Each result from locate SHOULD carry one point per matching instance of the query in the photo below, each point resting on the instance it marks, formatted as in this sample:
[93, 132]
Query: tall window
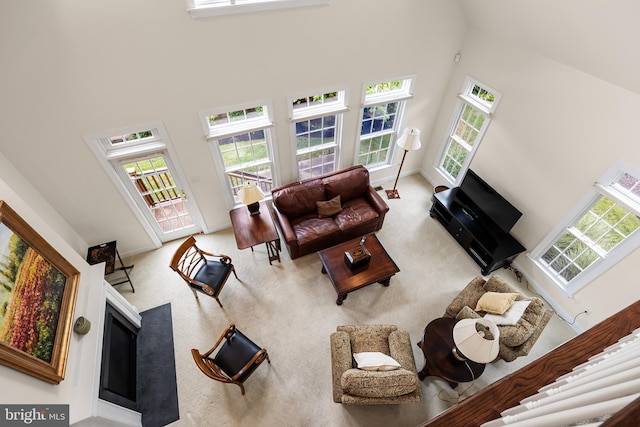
[317, 126]
[469, 123]
[384, 104]
[603, 231]
[241, 141]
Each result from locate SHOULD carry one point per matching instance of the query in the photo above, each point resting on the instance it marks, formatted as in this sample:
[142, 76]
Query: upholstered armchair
[515, 340]
[364, 387]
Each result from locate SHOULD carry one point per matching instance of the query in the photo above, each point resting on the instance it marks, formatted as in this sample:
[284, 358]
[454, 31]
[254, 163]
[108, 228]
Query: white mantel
[102, 410]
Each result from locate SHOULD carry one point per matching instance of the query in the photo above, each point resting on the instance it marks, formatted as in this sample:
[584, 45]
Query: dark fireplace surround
[119, 360]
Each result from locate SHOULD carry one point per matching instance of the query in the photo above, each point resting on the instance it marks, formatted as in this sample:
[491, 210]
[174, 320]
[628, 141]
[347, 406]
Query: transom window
[241, 142]
[317, 128]
[205, 8]
[604, 230]
[470, 120]
[128, 142]
[384, 104]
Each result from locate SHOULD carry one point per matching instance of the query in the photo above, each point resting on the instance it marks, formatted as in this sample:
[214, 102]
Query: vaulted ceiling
[598, 37]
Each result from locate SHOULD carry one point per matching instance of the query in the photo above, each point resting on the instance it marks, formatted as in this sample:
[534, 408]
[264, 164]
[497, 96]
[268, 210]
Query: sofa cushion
[495, 302]
[348, 185]
[299, 200]
[329, 207]
[525, 327]
[309, 227]
[375, 361]
[511, 316]
[379, 384]
[355, 212]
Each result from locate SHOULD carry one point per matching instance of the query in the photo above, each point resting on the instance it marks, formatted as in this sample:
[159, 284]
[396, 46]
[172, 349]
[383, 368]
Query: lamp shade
[250, 193]
[410, 139]
[477, 339]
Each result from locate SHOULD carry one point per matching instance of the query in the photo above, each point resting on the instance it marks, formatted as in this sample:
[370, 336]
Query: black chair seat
[214, 274]
[235, 361]
[235, 353]
[189, 259]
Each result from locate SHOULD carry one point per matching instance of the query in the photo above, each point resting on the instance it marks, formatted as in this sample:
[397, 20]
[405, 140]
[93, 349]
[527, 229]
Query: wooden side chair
[235, 361]
[202, 274]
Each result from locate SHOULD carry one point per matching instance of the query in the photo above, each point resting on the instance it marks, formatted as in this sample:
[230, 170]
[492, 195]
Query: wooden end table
[380, 269]
[251, 230]
[437, 345]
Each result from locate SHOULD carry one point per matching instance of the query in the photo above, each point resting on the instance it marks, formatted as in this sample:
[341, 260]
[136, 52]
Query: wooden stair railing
[486, 405]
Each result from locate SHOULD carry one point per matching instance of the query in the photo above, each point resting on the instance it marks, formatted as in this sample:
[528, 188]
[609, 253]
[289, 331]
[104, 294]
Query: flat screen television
[488, 202]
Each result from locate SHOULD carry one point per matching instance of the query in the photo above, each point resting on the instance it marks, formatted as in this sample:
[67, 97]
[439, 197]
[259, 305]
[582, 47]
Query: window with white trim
[469, 122]
[601, 231]
[242, 144]
[383, 106]
[206, 8]
[317, 127]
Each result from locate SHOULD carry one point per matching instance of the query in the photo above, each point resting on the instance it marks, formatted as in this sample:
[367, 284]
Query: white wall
[78, 387]
[556, 131]
[72, 68]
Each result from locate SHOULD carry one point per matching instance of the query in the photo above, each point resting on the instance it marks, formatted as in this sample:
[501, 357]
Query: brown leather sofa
[362, 210]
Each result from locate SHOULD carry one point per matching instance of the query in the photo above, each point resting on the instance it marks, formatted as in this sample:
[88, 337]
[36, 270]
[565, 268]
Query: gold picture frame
[38, 289]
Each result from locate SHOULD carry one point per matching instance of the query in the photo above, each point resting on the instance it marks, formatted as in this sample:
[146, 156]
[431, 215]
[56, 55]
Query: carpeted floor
[157, 386]
[290, 309]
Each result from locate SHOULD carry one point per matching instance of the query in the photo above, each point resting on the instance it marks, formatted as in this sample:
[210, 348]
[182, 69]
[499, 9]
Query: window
[470, 120]
[383, 106]
[205, 8]
[602, 232]
[140, 162]
[317, 127]
[242, 145]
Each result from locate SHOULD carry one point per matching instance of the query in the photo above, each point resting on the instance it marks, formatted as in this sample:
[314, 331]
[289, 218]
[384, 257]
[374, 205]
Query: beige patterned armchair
[516, 340]
[356, 386]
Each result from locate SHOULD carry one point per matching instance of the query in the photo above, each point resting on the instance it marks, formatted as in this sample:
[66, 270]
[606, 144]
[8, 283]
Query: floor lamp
[409, 141]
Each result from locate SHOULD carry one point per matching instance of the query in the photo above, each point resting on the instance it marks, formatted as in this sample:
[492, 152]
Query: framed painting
[38, 290]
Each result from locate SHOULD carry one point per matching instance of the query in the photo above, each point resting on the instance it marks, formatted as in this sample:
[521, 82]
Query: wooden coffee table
[252, 230]
[380, 269]
[437, 346]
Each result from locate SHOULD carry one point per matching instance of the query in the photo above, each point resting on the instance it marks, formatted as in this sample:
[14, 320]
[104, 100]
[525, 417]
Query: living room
[569, 89]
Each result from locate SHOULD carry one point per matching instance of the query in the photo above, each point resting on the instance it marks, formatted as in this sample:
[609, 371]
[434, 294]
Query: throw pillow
[511, 316]
[375, 361]
[495, 302]
[329, 208]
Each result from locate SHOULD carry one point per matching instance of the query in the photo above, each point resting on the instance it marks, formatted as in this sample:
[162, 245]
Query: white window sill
[250, 7]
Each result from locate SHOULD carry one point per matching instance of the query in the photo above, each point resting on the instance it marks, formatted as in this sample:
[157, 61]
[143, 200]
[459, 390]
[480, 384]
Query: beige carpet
[290, 309]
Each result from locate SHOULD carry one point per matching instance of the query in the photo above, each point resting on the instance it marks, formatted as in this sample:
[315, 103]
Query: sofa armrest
[376, 201]
[341, 361]
[469, 296]
[400, 349]
[285, 226]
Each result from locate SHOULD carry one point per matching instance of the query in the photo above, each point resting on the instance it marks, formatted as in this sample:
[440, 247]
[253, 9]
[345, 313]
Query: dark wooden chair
[202, 274]
[235, 361]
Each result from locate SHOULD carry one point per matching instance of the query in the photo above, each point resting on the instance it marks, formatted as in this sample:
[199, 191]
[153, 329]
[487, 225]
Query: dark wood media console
[490, 246]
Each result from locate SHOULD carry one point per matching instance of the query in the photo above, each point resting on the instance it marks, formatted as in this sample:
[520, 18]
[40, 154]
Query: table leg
[385, 282]
[341, 298]
[324, 270]
[273, 250]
